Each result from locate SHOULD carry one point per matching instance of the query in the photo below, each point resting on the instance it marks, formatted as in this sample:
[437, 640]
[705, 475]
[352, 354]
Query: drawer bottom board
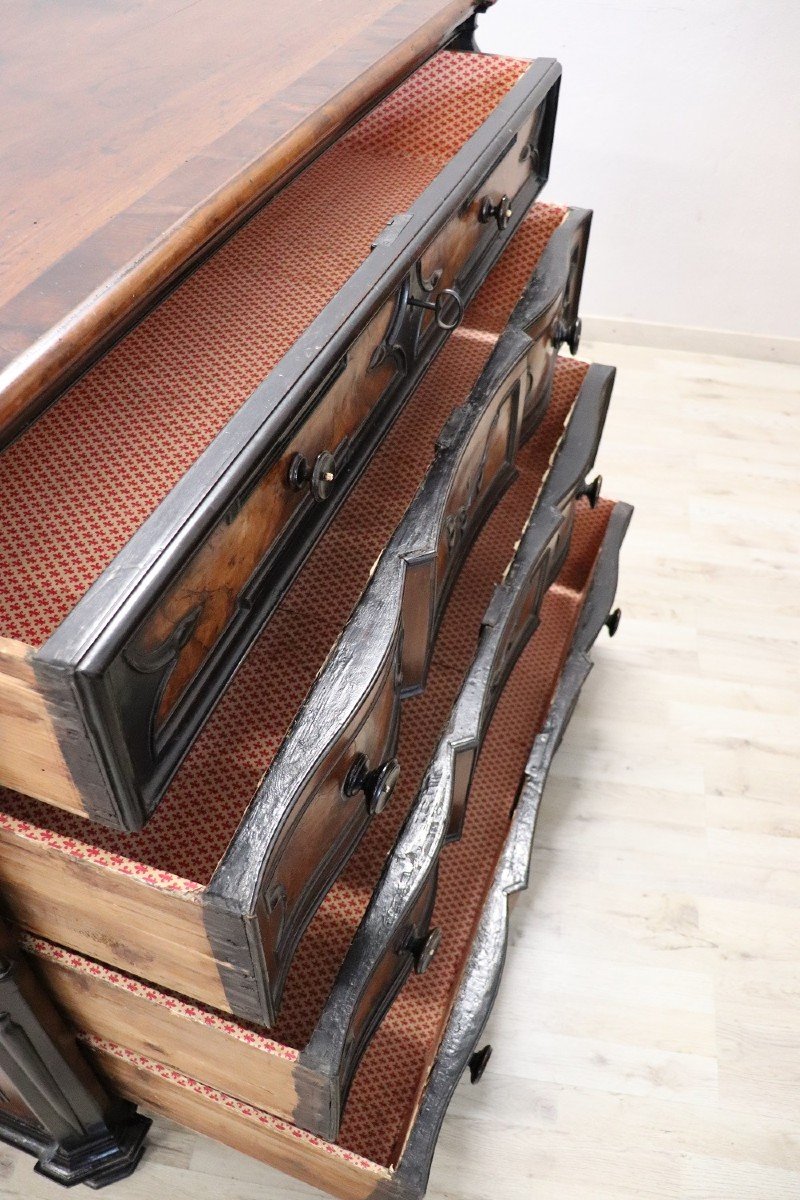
[389, 1087]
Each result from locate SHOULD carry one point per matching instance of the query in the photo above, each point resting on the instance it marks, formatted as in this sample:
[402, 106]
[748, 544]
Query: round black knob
[612, 621]
[377, 785]
[478, 1063]
[568, 332]
[320, 477]
[591, 491]
[323, 474]
[447, 308]
[423, 950]
[501, 211]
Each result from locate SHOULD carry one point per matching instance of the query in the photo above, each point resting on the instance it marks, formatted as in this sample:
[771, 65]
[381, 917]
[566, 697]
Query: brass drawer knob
[591, 491]
[320, 477]
[501, 211]
[478, 1063]
[447, 308]
[377, 785]
[423, 950]
[612, 621]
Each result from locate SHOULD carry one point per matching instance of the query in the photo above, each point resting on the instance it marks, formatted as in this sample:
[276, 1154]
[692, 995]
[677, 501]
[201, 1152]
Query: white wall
[679, 124]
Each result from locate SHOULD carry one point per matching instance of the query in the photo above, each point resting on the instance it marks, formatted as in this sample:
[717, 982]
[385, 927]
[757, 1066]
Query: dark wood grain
[138, 134]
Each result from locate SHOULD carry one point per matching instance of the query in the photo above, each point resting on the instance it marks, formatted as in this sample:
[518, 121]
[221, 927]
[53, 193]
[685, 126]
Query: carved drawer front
[429, 1036]
[303, 1070]
[208, 451]
[304, 751]
[548, 310]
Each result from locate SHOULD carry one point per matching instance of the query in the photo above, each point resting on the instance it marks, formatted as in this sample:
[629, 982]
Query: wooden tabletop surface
[135, 133]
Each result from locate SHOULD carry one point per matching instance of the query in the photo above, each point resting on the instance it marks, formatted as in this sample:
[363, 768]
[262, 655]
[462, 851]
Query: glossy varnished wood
[127, 157]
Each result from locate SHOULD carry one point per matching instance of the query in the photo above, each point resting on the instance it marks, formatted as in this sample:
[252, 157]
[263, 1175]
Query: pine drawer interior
[136, 900]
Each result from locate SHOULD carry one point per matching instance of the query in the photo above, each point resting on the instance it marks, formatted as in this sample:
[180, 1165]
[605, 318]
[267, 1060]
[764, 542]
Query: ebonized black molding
[409, 873]
[77, 665]
[481, 976]
[51, 1104]
[560, 274]
[384, 944]
[550, 303]
[389, 639]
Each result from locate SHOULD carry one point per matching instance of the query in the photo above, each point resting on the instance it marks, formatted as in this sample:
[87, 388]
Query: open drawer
[303, 1071]
[154, 515]
[428, 1038]
[195, 902]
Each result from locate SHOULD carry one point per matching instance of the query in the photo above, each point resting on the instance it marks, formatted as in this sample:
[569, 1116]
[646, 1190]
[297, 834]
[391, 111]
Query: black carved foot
[112, 1153]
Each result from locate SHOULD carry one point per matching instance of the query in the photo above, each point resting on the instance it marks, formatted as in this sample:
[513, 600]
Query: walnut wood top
[134, 135]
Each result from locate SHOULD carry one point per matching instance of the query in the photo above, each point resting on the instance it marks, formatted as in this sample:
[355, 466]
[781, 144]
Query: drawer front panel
[485, 463]
[163, 671]
[483, 219]
[330, 816]
[566, 481]
[346, 1026]
[548, 311]
[190, 618]
[474, 465]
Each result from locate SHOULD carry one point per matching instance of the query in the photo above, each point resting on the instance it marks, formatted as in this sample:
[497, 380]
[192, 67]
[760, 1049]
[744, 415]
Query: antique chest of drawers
[301, 569]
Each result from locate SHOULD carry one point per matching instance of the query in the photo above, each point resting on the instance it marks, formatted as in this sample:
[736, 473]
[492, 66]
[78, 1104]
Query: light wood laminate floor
[647, 1036]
